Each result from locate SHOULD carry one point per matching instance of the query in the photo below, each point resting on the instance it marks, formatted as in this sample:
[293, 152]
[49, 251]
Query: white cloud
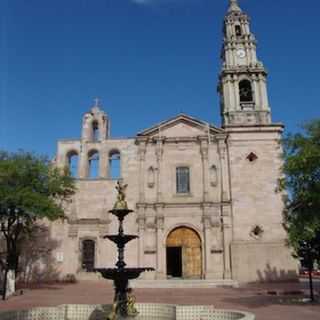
[143, 2]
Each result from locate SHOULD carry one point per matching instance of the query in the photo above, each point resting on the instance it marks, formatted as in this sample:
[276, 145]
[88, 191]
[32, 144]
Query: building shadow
[272, 274]
[37, 264]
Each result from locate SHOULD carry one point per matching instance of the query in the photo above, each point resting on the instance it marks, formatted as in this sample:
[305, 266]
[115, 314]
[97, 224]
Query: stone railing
[147, 311]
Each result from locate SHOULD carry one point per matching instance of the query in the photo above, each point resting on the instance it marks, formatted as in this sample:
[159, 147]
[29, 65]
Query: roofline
[180, 115]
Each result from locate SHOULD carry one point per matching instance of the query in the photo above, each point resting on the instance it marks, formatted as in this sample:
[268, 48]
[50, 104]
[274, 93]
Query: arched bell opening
[95, 131]
[73, 162]
[184, 254]
[93, 164]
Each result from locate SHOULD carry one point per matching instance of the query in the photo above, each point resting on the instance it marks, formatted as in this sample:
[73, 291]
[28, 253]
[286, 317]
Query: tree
[31, 188]
[302, 180]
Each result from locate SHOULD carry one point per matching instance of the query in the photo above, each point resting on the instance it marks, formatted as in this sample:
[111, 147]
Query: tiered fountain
[123, 304]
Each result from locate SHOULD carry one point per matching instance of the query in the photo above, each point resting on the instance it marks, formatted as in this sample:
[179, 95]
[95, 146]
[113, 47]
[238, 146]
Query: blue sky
[147, 60]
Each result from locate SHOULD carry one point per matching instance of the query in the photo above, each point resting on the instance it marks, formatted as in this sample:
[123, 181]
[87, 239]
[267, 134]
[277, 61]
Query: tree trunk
[311, 284]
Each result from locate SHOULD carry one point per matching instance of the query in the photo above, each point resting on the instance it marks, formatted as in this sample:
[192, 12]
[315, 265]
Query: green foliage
[31, 185]
[302, 180]
[31, 188]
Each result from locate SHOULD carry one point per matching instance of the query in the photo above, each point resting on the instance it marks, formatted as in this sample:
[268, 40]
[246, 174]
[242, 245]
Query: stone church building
[206, 200]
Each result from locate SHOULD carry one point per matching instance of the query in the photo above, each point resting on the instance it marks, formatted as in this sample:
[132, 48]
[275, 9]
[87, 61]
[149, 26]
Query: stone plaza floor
[266, 301]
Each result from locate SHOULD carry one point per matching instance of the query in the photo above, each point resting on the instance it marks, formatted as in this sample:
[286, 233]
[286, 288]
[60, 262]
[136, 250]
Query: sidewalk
[252, 298]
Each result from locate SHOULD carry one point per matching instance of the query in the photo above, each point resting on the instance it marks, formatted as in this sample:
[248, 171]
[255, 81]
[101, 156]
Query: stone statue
[132, 311]
[121, 197]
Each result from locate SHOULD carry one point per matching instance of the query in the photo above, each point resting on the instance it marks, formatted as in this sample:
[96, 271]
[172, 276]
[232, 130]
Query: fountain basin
[147, 311]
[120, 239]
[124, 274]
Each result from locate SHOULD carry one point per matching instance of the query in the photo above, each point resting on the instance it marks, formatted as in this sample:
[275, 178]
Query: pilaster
[142, 158]
[159, 154]
[209, 223]
[161, 250]
[227, 238]
[83, 161]
[141, 221]
[204, 148]
[225, 186]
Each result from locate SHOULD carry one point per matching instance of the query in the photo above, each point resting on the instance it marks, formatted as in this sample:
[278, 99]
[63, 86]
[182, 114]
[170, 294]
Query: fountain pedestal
[123, 302]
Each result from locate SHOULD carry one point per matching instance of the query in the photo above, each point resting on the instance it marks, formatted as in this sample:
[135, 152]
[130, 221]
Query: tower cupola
[242, 81]
[95, 124]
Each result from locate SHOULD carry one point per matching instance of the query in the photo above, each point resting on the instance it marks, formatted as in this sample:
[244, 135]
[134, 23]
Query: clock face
[241, 53]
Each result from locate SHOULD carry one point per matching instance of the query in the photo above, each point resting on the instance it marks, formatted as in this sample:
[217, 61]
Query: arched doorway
[88, 255]
[184, 254]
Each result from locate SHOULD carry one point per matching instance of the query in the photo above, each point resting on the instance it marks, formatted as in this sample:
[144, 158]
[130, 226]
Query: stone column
[229, 95]
[208, 267]
[103, 162]
[236, 92]
[72, 263]
[141, 221]
[161, 250]
[225, 185]
[159, 152]
[142, 158]
[227, 238]
[211, 221]
[83, 161]
[264, 94]
[256, 91]
[205, 167]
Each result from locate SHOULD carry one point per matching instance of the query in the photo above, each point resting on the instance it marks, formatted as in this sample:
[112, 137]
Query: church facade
[206, 199]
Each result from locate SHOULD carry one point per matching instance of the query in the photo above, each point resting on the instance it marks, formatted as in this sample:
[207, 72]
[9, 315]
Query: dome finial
[234, 6]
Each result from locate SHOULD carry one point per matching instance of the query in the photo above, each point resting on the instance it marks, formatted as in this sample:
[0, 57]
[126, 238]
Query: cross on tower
[96, 102]
[234, 6]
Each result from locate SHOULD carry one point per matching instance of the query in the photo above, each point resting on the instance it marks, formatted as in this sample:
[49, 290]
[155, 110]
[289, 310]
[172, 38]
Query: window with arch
[72, 162]
[93, 161]
[114, 164]
[95, 131]
[245, 91]
[182, 180]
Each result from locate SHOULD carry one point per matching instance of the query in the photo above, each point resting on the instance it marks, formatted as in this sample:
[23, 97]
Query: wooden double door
[184, 258]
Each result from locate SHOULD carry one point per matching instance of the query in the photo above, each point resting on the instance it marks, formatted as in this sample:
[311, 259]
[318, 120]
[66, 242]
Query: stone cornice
[259, 128]
[183, 204]
[231, 70]
[88, 222]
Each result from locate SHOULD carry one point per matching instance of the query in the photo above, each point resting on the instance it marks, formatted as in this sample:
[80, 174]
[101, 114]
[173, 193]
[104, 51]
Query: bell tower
[242, 81]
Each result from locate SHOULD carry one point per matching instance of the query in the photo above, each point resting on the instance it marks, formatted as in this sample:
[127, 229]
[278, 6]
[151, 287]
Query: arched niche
[213, 176]
[151, 177]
